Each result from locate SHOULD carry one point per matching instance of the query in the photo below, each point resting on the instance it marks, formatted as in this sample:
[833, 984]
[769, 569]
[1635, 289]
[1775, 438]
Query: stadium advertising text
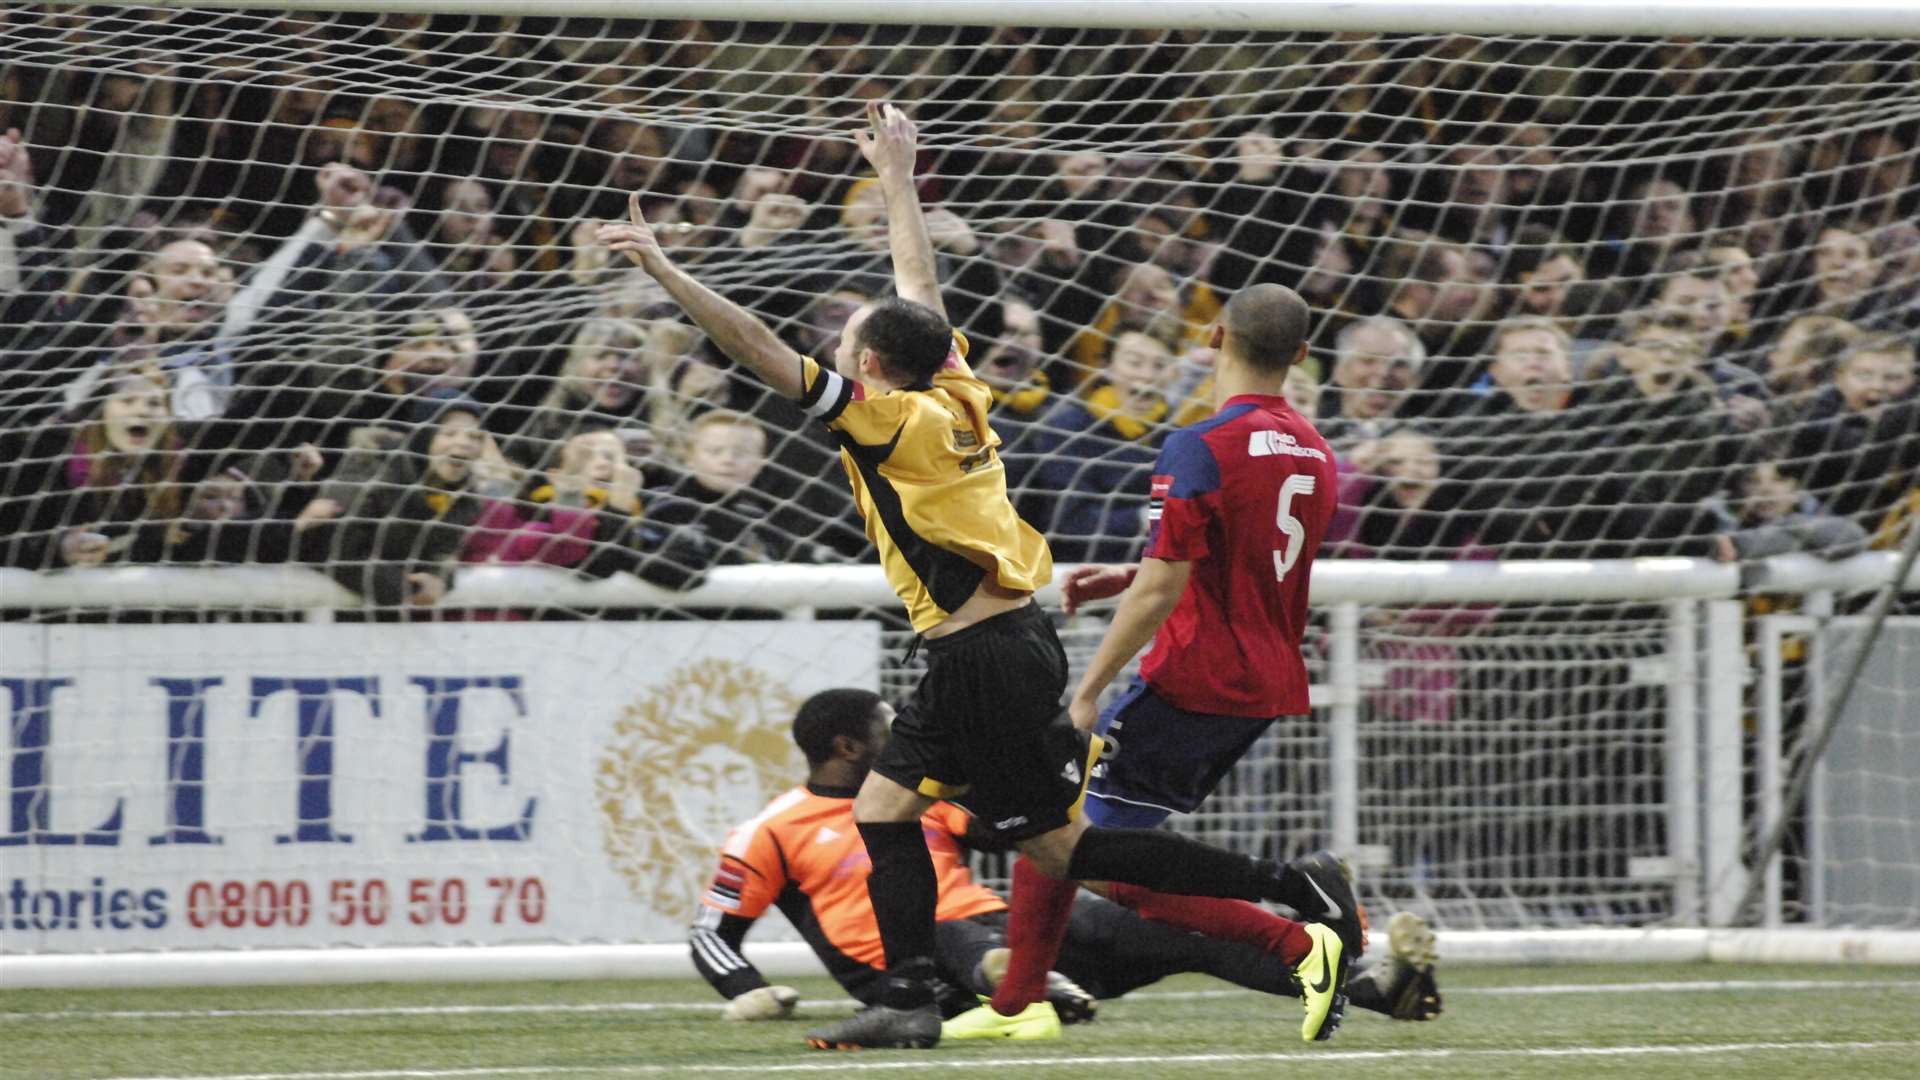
[356, 784]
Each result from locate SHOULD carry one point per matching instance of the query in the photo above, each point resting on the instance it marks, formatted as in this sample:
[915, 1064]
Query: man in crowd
[1376, 362]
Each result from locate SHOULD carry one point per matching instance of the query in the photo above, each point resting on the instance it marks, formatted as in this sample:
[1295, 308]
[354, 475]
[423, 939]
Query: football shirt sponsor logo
[1270, 443]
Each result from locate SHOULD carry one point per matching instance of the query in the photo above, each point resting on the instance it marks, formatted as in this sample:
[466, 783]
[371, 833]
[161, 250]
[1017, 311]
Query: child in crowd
[1396, 503]
[1859, 439]
[586, 513]
[724, 457]
[1802, 358]
[242, 510]
[1772, 514]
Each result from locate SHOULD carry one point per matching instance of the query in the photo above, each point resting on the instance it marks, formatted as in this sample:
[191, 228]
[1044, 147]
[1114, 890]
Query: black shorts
[985, 728]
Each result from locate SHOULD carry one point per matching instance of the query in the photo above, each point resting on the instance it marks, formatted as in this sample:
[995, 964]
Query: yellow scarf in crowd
[1103, 402]
[1028, 398]
[596, 497]
[1901, 516]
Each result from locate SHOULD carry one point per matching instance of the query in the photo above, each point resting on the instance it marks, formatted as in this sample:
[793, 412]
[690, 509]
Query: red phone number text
[366, 902]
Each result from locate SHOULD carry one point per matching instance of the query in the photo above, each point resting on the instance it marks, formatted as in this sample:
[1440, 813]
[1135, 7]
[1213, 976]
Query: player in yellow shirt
[984, 728]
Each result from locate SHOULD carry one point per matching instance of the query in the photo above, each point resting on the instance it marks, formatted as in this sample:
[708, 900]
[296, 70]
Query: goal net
[385, 562]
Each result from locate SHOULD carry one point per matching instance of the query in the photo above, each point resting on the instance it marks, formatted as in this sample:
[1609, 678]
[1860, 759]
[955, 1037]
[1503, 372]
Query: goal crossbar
[1744, 18]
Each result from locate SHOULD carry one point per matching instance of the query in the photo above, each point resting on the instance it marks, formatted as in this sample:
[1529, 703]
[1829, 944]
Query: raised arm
[744, 338]
[890, 149]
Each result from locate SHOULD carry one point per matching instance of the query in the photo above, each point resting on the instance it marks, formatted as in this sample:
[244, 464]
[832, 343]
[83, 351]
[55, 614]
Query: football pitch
[1717, 1022]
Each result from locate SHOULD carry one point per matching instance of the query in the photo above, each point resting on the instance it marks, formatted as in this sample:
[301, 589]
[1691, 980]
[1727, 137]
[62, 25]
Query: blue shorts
[1160, 759]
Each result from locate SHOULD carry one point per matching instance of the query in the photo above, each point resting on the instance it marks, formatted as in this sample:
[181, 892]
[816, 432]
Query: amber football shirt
[926, 473]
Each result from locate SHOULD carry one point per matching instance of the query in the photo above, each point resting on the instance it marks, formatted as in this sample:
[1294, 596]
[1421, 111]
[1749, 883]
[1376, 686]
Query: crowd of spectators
[252, 313]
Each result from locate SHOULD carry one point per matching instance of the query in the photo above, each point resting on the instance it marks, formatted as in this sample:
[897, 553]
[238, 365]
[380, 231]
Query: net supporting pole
[1720, 751]
[1803, 769]
[1747, 18]
[1769, 635]
[1683, 752]
[1343, 735]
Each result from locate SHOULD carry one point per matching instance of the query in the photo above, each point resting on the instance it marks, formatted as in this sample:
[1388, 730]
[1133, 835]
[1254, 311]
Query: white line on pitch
[1687, 987]
[403, 1010]
[1074, 1061]
[846, 1003]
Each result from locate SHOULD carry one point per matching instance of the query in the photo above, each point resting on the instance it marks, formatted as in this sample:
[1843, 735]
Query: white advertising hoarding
[276, 785]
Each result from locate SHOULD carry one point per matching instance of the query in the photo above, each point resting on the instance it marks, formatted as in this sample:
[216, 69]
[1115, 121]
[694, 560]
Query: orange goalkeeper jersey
[925, 469]
[803, 854]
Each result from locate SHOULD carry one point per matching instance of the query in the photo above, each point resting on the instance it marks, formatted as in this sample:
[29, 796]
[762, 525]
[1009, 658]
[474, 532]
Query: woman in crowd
[105, 489]
[391, 526]
[603, 383]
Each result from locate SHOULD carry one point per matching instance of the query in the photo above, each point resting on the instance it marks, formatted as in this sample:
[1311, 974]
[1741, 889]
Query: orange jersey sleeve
[752, 873]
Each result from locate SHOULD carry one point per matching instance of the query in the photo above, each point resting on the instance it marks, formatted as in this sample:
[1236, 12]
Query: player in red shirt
[1239, 504]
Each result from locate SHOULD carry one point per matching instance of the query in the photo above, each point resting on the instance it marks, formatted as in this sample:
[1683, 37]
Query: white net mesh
[1576, 297]
[1849, 856]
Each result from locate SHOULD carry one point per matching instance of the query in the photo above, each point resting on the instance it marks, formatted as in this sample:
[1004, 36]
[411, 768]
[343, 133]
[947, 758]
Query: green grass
[1764, 1028]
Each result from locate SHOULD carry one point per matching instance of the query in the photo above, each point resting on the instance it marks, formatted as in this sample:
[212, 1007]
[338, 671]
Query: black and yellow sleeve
[824, 393]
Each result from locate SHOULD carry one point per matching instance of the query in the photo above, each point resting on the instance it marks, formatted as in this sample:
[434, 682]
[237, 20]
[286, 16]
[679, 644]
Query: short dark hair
[831, 713]
[1269, 324]
[911, 340]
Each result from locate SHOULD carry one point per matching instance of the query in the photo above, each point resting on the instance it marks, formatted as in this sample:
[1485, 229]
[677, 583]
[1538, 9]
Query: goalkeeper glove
[765, 1003]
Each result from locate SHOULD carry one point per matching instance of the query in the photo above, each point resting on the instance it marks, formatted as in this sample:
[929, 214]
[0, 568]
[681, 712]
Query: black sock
[1168, 862]
[904, 892]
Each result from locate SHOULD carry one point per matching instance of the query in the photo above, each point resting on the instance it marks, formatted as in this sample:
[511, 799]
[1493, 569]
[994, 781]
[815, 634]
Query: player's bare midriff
[989, 599]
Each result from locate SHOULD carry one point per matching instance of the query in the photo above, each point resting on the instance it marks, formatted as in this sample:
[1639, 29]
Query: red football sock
[1230, 920]
[1036, 925]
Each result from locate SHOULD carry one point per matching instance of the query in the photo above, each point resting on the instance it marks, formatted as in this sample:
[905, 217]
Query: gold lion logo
[695, 756]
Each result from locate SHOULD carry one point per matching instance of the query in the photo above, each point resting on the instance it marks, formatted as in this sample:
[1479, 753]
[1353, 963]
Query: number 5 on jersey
[1294, 534]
